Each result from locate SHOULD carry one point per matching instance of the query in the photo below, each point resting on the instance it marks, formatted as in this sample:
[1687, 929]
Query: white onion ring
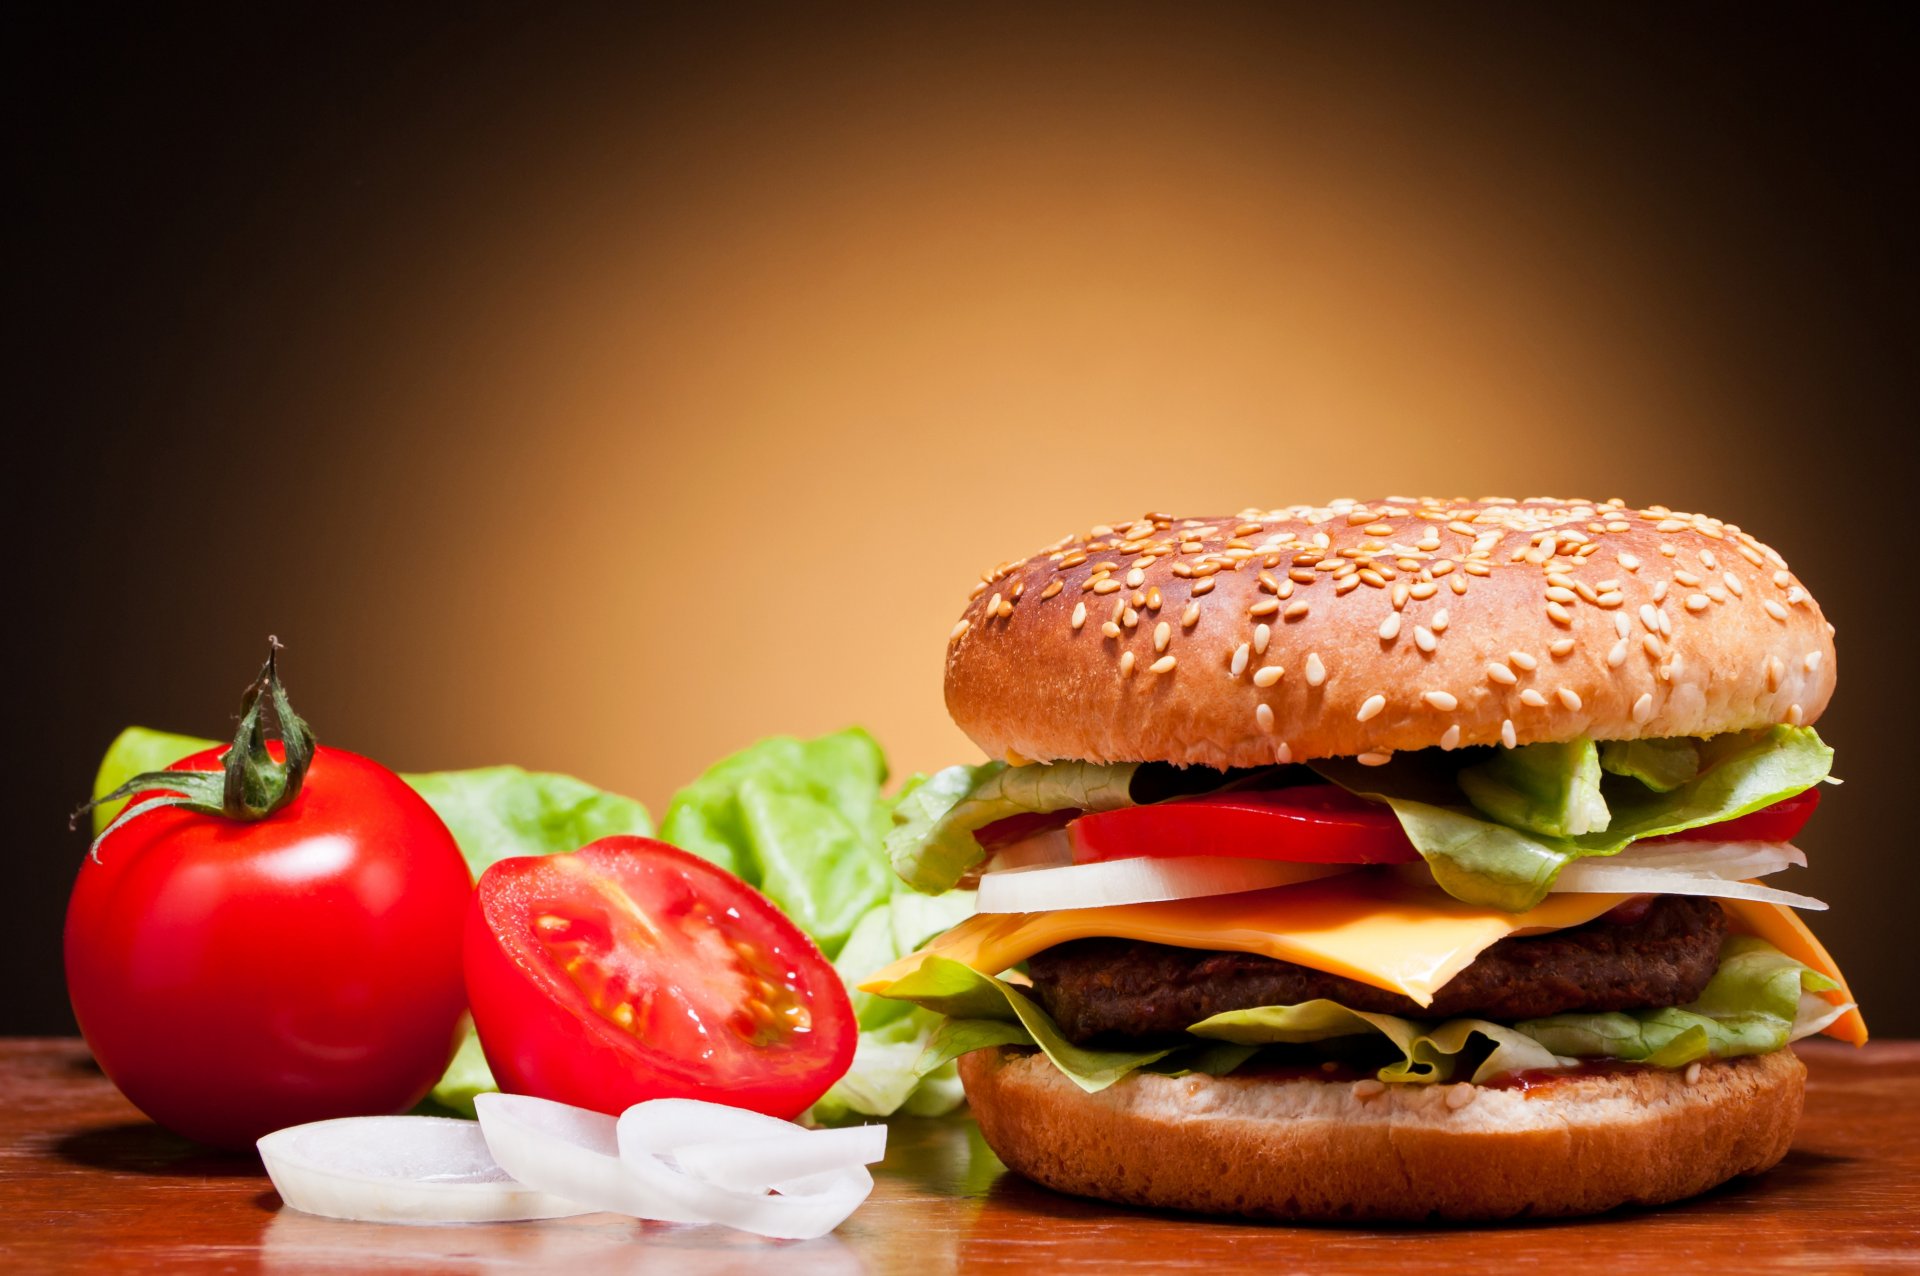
[1138, 880]
[1712, 859]
[399, 1169]
[796, 1156]
[568, 1152]
[1589, 877]
[806, 1207]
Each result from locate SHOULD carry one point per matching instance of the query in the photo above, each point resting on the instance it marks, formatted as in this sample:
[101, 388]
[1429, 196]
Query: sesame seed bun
[1369, 627]
[1331, 1151]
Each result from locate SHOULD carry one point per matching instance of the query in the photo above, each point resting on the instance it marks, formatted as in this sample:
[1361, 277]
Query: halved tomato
[1306, 824]
[631, 970]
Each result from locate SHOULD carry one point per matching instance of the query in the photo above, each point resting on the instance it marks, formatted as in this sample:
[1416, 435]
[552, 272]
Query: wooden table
[87, 1185]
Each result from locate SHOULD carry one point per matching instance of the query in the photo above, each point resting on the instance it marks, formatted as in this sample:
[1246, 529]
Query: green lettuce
[1661, 765]
[1760, 1000]
[1551, 789]
[801, 820]
[1484, 860]
[932, 844]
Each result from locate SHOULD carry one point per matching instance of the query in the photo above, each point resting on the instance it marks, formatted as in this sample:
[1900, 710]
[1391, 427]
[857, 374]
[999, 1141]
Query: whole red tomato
[631, 970]
[236, 976]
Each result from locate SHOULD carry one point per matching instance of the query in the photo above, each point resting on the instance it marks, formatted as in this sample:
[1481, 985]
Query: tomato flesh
[631, 970]
[235, 978]
[1307, 824]
[1325, 824]
[1780, 822]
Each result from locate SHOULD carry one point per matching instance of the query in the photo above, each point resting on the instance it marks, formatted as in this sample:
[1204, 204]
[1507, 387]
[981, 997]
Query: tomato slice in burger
[1307, 824]
[631, 970]
[1780, 822]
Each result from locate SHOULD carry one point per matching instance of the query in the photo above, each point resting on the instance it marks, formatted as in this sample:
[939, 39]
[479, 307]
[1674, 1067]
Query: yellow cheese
[1782, 927]
[1377, 928]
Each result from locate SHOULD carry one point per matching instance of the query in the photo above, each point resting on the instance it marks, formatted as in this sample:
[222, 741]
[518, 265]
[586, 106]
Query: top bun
[1365, 627]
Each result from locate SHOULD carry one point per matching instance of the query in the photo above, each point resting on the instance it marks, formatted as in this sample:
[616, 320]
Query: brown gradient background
[602, 393]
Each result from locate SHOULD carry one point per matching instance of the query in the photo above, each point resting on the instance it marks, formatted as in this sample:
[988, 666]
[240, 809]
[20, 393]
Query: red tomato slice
[1325, 824]
[1780, 822]
[1308, 824]
[631, 970]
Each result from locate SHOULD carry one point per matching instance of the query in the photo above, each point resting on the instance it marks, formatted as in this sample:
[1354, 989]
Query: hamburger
[1383, 860]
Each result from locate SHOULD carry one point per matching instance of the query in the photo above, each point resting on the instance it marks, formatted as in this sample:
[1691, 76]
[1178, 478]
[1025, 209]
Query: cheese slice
[1782, 927]
[1378, 928]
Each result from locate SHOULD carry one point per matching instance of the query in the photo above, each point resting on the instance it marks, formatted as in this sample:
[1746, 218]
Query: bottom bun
[1314, 1150]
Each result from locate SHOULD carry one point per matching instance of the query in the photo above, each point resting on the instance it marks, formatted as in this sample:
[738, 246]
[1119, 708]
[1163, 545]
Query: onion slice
[1588, 877]
[400, 1169]
[1711, 859]
[1140, 880]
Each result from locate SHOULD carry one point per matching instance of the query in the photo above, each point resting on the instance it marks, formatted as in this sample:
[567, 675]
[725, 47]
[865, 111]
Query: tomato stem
[251, 784]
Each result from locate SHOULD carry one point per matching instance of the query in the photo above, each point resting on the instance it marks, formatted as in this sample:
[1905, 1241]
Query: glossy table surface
[88, 1185]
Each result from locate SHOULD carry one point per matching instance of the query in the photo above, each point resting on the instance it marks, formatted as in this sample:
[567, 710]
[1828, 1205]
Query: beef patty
[1121, 988]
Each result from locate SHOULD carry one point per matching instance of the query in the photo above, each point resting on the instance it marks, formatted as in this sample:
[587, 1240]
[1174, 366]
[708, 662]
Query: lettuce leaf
[1428, 1051]
[1661, 765]
[1757, 1002]
[801, 820]
[1485, 861]
[1552, 789]
[932, 844]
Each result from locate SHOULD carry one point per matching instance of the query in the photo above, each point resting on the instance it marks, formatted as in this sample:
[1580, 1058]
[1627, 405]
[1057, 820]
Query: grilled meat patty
[1111, 989]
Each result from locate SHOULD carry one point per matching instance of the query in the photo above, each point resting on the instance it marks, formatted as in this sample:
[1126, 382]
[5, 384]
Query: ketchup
[1528, 1080]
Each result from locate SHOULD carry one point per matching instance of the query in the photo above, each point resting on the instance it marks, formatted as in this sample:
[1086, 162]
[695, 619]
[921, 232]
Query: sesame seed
[1445, 701]
[1501, 674]
[1368, 1088]
[1163, 665]
[1686, 578]
[1111, 629]
[1621, 625]
[1775, 610]
[1284, 753]
[1459, 1096]
[1794, 715]
[1569, 697]
[1812, 662]
[1263, 715]
[1079, 615]
[1439, 621]
[1508, 736]
[958, 629]
[1374, 758]
[1423, 638]
[1162, 635]
[1316, 672]
[1126, 663]
[1390, 627]
[1660, 590]
[1560, 648]
[1523, 660]
[1458, 584]
[1692, 1074]
[1650, 617]
[1643, 707]
[1450, 739]
[1558, 614]
[1533, 699]
[1265, 607]
[1267, 676]
[1238, 665]
[1370, 707]
[1153, 599]
[1400, 595]
[1109, 587]
[1559, 595]
[1734, 586]
[1204, 586]
[1345, 586]
[1698, 602]
[1295, 611]
[1617, 654]
[1782, 579]
[1052, 588]
[1262, 634]
[1191, 616]
[1776, 670]
[1134, 578]
[993, 605]
[1651, 643]
[1130, 618]
[1268, 584]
